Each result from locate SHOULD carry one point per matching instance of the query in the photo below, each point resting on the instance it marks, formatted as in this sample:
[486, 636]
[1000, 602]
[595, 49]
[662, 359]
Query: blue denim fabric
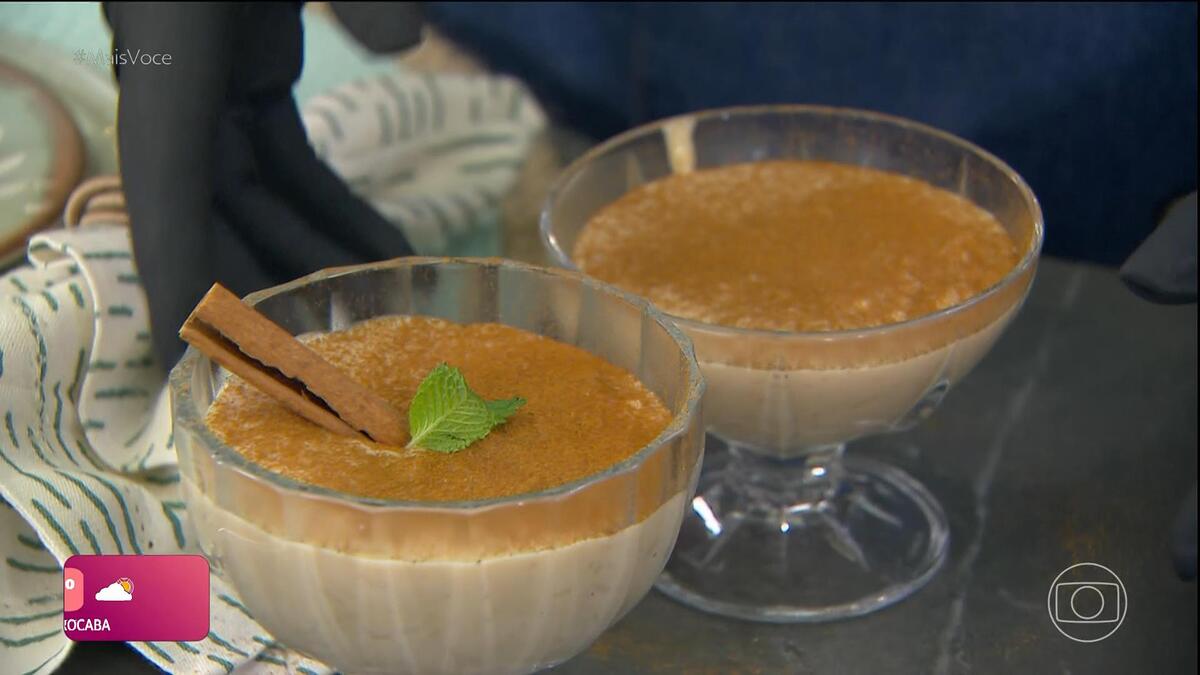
[1094, 104]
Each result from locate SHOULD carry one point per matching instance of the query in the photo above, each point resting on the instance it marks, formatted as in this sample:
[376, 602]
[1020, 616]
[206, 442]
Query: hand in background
[220, 181]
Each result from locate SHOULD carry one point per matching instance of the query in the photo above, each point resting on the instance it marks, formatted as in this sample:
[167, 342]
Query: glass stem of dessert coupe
[814, 537]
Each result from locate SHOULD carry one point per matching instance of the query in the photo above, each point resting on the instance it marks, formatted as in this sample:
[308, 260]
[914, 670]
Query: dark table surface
[1074, 440]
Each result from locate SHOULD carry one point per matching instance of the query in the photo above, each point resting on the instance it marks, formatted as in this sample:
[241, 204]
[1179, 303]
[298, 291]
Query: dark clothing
[1094, 104]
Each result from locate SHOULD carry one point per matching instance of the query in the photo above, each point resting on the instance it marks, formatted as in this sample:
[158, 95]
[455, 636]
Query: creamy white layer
[785, 411]
[508, 614]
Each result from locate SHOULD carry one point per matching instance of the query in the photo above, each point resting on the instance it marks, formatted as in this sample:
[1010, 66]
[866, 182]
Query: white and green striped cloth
[87, 463]
[434, 154]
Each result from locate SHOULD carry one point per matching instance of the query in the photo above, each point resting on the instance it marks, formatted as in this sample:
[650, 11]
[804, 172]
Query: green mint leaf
[503, 409]
[446, 416]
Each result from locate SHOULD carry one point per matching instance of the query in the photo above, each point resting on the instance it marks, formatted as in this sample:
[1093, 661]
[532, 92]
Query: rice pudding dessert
[581, 416]
[799, 255]
[427, 595]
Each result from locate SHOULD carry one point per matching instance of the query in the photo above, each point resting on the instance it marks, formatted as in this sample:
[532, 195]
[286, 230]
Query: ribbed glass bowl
[507, 585]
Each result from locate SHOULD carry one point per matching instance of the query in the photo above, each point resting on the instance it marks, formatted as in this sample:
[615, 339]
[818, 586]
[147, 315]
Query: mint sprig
[447, 416]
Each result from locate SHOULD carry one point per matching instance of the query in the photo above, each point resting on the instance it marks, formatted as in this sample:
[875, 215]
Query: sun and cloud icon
[120, 590]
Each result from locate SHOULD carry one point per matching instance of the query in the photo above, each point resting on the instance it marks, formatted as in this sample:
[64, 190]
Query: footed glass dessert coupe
[785, 527]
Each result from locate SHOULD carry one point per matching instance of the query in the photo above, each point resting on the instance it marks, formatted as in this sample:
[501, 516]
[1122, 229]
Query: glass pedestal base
[812, 539]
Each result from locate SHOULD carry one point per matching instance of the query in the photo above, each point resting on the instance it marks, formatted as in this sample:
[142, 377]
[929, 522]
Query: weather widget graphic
[168, 601]
[120, 590]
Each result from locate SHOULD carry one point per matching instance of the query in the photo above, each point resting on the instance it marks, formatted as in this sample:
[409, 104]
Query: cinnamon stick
[271, 359]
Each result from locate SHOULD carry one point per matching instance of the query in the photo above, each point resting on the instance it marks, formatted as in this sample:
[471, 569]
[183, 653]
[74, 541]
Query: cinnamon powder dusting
[796, 245]
[582, 415]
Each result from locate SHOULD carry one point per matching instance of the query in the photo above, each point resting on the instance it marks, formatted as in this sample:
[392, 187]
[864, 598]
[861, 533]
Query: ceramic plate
[41, 157]
[89, 97]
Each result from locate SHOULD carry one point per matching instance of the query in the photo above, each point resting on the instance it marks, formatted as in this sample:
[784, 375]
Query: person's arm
[166, 123]
[382, 27]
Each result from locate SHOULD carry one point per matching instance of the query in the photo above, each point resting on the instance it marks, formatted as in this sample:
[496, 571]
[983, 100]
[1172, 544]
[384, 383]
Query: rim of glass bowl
[187, 415]
[561, 257]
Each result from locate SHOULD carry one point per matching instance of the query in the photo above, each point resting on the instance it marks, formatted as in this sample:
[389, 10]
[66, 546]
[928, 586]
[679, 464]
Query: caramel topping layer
[582, 415]
[796, 245]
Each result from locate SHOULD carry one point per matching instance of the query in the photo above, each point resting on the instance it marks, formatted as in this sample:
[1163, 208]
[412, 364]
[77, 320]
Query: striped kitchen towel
[433, 153]
[87, 459]
[87, 463]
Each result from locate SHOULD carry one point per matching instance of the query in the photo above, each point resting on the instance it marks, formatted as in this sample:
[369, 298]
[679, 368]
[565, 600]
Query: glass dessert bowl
[783, 528]
[509, 584]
